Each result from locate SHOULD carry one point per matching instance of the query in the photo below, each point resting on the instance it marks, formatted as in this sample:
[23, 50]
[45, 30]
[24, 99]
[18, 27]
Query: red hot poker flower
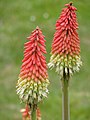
[34, 63]
[66, 40]
[33, 78]
[66, 44]
[25, 113]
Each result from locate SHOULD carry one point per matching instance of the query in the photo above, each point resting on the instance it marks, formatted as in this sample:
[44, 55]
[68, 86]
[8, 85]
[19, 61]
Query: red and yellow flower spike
[33, 78]
[65, 54]
[26, 113]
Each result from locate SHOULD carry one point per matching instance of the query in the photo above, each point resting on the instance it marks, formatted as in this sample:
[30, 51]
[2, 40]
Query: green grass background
[17, 19]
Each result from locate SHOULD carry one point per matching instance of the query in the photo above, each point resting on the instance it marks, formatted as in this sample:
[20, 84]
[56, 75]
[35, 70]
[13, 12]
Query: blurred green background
[17, 19]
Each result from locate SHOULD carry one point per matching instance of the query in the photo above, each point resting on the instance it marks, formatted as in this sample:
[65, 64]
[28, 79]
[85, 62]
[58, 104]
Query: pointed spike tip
[37, 28]
[71, 3]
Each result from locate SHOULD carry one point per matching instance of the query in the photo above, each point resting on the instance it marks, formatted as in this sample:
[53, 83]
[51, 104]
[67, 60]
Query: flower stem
[65, 101]
[33, 111]
[33, 115]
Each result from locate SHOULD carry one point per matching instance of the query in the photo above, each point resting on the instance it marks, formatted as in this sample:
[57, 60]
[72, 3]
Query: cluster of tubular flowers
[25, 113]
[65, 53]
[33, 78]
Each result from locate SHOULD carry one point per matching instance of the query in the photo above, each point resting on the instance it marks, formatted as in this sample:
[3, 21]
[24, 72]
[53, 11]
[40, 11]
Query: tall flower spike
[33, 78]
[65, 54]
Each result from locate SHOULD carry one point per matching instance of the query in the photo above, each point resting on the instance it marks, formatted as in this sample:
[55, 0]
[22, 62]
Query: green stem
[33, 115]
[65, 101]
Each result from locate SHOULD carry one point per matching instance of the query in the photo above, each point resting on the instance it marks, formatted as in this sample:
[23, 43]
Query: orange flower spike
[65, 53]
[25, 113]
[33, 78]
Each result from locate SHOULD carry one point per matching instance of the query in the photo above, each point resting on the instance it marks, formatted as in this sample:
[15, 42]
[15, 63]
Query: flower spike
[65, 53]
[26, 113]
[33, 78]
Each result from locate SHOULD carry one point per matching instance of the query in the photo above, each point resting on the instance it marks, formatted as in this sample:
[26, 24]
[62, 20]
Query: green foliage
[18, 19]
